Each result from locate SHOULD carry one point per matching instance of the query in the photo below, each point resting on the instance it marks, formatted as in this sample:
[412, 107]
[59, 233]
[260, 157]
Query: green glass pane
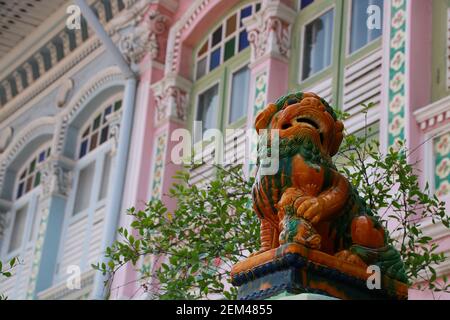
[97, 122]
[117, 105]
[37, 179]
[32, 165]
[229, 48]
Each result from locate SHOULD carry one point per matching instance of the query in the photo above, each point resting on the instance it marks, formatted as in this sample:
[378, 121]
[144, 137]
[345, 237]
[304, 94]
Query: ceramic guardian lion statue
[308, 201]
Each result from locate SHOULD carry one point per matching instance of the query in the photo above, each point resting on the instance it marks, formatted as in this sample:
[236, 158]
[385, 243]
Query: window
[84, 187]
[207, 109]
[239, 94]
[317, 44]
[97, 131]
[18, 229]
[360, 34]
[225, 41]
[30, 175]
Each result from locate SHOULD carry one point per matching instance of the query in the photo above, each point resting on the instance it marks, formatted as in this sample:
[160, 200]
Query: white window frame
[301, 45]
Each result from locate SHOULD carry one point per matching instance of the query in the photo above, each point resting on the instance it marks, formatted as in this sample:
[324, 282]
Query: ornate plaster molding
[64, 92]
[114, 129]
[269, 31]
[138, 39]
[171, 98]
[55, 179]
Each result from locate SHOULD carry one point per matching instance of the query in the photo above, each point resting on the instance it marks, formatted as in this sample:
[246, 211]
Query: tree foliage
[6, 272]
[211, 229]
[389, 184]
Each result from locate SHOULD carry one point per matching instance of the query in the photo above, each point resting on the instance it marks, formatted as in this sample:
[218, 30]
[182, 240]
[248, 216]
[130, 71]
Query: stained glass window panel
[104, 135]
[229, 49]
[305, 3]
[203, 49]
[243, 40]
[215, 59]
[94, 141]
[231, 25]
[217, 36]
[83, 148]
[246, 12]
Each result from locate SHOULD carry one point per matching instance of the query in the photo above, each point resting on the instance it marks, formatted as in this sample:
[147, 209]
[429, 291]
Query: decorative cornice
[71, 59]
[171, 98]
[432, 114]
[269, 31]
[49, 78]
[6, 136]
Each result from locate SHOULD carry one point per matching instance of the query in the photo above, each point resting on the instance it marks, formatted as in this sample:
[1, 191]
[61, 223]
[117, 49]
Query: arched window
[86, 205]
[30, 174]
[227, 40]
[221, 89]
[96, 132]
[222, 74]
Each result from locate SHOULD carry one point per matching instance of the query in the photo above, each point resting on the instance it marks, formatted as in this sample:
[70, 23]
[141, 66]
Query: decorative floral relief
[158, 166]
[260, 101]
[37, 253]
[442, 164]
[396, 125]
[398, 40]
[396, 103]
[260, 92]
[397, 61]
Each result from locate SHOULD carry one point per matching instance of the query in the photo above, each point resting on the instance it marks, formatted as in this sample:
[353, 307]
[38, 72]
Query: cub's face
[306, 117]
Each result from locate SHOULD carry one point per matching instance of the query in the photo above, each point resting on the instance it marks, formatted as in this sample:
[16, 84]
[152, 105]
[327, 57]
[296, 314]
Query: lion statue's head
[303, 116]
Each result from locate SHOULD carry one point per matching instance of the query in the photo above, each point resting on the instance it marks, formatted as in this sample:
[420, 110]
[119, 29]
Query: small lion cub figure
[308, 201]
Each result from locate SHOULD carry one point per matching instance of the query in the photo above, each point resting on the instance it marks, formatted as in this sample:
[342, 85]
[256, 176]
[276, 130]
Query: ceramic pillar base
[294, 269]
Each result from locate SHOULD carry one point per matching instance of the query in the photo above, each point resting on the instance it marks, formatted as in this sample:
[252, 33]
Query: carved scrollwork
[269, 30]
[140, 39]
[55, 179]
